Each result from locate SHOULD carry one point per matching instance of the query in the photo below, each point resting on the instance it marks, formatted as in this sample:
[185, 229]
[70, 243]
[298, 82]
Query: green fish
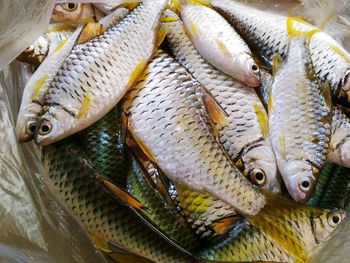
[75, 182]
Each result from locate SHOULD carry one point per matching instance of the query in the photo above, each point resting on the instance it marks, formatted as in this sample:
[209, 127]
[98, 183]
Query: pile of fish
[192, 131]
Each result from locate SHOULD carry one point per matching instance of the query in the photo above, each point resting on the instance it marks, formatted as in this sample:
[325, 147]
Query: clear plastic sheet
[34, 227]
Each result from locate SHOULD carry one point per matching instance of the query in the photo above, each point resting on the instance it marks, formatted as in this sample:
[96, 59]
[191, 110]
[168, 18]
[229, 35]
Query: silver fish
[299, 121]
[92, 79]
[268, 33]
[166, 115]
[245, 138]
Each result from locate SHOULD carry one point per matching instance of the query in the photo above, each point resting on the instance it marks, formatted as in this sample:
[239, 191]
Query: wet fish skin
[299, 121]
[339, 151]
[246, 135]
[169, 97]
[73, 181]
[202, 211]
[164, 216]
[219, 43]
[34, 92]
[267, 33]
[312, 228]
[92, 80]
[104, 146]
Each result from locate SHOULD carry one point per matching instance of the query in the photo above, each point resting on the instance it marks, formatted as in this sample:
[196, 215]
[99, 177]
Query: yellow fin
[215, 112]
[90, 31]
[269, 102]
[221, 226]
[136, 73]
[194, 30]
[122, 195]
[293, 31]
[169, 16]
[282, 145]
[38, 85]
[60, 46]
[222, 47]
[327, 93]
[260, 114]
[88, 19]
[276, 63]
[135, 143]
[131, 5]
[163, 31]
[100, 243]
[85, 106]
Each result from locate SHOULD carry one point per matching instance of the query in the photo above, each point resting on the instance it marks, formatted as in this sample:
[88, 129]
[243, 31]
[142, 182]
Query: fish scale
[299, 121]
[73, 181]
[245, 130]
[267, 33]
[165, 109]
[131, 41]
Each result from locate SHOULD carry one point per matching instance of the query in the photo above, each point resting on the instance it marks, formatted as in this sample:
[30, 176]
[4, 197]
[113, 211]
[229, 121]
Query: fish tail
[270, 221]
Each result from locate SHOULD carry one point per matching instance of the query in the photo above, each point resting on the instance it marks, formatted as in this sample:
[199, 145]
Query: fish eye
[254, 68]
[333, 219]
[258, 177]
[305, 184]
[31, 127]
[45, 127]
[70, 6]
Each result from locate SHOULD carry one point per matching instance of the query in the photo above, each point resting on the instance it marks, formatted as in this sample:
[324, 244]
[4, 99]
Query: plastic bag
[33, 226]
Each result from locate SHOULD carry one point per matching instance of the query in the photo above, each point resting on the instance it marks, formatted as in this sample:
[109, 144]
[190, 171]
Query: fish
[245, 137]
[104, 146]
[267, 34]
[92, 79]
[74, 14]
[218, 42]
[209, 217]
[339, 151]
[336, 193]
[300, 115]
[322, 183]
[166, 115]
[312, 227]
[33, 97]
[163, 215]
[74, 181]
[33, 100]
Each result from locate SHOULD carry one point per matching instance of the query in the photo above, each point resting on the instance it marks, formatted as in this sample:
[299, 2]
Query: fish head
[27, 122]
[53, 126]
[250, 74]
[299, 177]
[261, 168]
[326, 224]
[75, 13]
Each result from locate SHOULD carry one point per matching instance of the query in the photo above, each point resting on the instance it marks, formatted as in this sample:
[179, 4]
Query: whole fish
[209, 216]
[92, 80]
[167, 114]
[339, 151]
[245, 138]
[267, 33]
[74, 14]
[312, 227]
[103, 144]
[164, 216]
[299, 120]
[35, 90]
[73, 181]
[218, 42]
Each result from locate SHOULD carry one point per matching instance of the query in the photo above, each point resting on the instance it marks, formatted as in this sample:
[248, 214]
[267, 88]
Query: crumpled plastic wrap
[33, 226]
